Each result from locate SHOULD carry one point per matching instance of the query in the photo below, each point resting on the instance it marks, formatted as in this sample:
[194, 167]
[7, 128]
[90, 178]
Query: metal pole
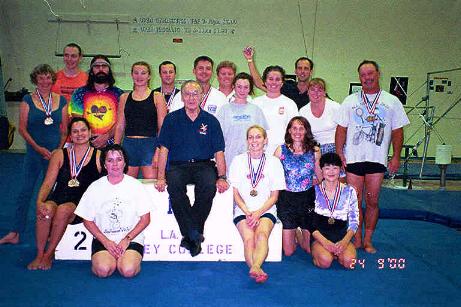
[427, 131]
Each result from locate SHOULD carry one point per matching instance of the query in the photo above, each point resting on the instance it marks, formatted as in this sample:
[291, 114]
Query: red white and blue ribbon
[74, 167]
[331, 206]
[48, 107]
[205, 98]
[170, 100]
[255, 177]
[371, 106]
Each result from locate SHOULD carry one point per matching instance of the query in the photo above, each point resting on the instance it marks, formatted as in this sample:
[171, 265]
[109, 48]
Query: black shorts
[97, 246]
[77, 219]
[270, 216]
[333, 232]
[294, 209]
[364, 168]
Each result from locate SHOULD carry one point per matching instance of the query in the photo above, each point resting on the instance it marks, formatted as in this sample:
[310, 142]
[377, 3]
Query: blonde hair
[317, 82]
[257, 127]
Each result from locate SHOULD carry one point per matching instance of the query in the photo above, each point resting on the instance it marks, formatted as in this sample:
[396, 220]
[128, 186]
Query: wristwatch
[223, 177]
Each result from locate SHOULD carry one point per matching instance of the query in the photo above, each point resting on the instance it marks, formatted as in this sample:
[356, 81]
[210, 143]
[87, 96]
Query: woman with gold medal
[42, 124]
[256, 179]
[336, 216]
[70, 172]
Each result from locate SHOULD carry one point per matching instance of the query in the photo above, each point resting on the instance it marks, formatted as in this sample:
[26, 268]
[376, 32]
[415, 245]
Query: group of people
[292, 153]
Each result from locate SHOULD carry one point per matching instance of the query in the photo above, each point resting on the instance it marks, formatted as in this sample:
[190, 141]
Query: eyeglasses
[191, 94]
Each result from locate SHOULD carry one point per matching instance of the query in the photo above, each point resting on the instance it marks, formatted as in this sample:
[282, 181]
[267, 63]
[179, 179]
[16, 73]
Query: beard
[101, 78]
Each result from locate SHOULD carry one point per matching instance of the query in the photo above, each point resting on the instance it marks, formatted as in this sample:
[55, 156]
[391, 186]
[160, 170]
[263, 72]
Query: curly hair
[42, 69]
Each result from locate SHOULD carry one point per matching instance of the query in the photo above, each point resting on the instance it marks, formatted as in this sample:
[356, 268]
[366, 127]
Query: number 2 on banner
[79, 243]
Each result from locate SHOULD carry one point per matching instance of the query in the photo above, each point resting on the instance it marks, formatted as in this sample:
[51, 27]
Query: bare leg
[147, 172]
[288, 241]
[372, 188]
[320, 256]
[129, 265]
[357, 182]
[103, 264]
[262, 233]
[347, 257]
[42, 231]
[247, 235]
[63, 216]
[10, 238]
[306, 242]
[133, 171]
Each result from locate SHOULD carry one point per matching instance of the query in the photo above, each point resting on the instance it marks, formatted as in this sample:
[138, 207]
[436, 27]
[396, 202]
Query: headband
[100, 62]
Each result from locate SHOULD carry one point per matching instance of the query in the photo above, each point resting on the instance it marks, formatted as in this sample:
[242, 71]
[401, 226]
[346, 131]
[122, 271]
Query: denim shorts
[140, 150]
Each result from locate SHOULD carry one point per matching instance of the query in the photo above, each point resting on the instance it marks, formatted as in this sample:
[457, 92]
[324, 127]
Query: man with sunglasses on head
[97, 101]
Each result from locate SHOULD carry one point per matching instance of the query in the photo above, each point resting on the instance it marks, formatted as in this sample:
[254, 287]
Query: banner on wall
[162, 236]
[226, 26]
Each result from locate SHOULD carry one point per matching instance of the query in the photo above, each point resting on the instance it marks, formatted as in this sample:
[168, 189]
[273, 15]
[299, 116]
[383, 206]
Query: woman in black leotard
[70, 172]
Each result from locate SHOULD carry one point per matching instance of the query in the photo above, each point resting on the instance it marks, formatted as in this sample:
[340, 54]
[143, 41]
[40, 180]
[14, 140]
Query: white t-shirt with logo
[278, 112]
[369, 134]
[115, 208]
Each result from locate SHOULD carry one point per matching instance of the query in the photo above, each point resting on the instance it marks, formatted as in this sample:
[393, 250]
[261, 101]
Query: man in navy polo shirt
[189, 139]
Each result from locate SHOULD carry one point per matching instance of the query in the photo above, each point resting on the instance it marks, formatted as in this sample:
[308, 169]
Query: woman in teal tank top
[42, 124]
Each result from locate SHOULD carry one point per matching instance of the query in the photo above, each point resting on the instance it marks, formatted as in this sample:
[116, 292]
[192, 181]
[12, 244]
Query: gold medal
[73, 183]
[48, 121]
[331, 220]
[253, 193]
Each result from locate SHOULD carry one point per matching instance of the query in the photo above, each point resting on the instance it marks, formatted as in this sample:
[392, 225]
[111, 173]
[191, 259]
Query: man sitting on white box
[189, 139]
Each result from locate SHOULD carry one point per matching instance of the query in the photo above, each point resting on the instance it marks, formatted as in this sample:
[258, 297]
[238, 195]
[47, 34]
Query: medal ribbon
[74, 168]
[371, 106]
[170, 100]
[47, 107]
[205, 98]
[255, 177]
[332, 206]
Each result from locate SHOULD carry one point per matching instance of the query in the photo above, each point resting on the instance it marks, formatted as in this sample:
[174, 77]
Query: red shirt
[65, 85]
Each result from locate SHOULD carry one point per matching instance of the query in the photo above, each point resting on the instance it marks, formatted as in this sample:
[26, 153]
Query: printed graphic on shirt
[212, 108]
[203, 129]
[114, 222]
[100, 110]
[369, 127]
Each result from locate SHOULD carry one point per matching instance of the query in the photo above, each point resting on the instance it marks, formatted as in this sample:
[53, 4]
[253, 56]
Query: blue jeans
[191, 219]
[34, 168]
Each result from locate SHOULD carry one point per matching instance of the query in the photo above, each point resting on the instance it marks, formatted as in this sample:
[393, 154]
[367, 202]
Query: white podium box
[162, 236]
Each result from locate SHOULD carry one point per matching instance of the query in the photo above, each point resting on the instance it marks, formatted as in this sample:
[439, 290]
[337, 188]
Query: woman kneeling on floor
[336, 216]
[115, 209]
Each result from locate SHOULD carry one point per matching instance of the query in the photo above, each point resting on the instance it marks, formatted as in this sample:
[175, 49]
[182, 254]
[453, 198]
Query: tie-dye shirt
[98, 107]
